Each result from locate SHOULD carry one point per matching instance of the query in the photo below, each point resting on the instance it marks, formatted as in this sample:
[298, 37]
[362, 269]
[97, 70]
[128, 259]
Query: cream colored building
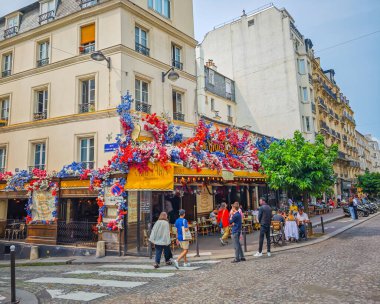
[58, 105]
[365, 159]
[374, 153]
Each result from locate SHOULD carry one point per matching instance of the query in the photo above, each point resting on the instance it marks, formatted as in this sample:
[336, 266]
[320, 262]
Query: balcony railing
[179, 116]
[310, 79]
[229, 119]
[143, 107]
[345, 138]
[86, 107]
[40, 167]
[87, 3]
[142, 49]
[2, 170]
[336, 116]
[3, 122]
[11, 32]
[178, 65]
[6, 73]
[42, 62]
[228, 95]
[46, 16]
[87, 48]
[40, 115]
[354, 164]
[88, 165]
[324, 127]
[313, 108]
[322, 104]
[341, 155]
[329, 91]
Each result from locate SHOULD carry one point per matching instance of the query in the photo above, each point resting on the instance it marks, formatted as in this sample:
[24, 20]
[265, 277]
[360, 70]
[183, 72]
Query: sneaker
[156, 266]
[169, 263]
[176, 264]
[258, 254]
[235, 261]
[268, 254]
[222, 242]
[242, 260]
[186, 264]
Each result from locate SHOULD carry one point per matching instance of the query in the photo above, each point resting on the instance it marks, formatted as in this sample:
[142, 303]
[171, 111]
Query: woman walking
[160, 237]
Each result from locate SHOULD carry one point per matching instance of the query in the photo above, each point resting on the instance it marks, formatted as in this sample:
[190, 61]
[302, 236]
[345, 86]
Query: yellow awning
[248, 174]
[182, 171]
[69, 184]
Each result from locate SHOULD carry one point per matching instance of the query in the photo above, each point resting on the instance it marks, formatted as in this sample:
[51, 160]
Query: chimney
[211, 65]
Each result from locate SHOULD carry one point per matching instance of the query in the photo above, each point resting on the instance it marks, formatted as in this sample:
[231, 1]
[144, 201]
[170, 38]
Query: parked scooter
[362, 211]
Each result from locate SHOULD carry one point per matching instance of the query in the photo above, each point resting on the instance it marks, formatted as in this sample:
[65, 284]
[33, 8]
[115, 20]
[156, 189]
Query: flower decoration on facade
[72, 170]
[16, 182]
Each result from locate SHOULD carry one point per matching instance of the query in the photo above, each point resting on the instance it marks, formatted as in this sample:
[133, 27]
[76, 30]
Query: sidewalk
[210, 248]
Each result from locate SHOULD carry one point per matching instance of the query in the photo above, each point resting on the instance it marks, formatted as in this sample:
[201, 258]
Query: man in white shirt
[302, 219]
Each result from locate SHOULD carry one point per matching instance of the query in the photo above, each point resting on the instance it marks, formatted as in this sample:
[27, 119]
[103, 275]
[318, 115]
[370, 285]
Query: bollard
[323, 227]
[13, 275]
[100, 249]
[150, 249]
[196, 242]
[34, 253]
[245, 239]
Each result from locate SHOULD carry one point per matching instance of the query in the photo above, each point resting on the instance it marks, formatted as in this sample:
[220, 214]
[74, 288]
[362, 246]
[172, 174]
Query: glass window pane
[158, 6]
[150, 3]
[166, 11]
[137, 90]
[137, 35]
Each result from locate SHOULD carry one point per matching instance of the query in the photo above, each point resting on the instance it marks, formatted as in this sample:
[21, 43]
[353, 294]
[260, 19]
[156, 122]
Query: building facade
[272, 75]
[365, 159]
[374, 153]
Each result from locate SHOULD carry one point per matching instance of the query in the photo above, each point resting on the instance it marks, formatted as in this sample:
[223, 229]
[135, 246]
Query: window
[3, 157]
[301, 66]
[142, 96]
[229, 113]
[304, 94]
[12, 27]
[87, 152]
[228, 89]
[39, 152]
[47, 11]
[87, 39]
[4, 112]
[141, 41]
[212, 104]
[211, 77]
[177, 106]
[311, 94]
[6, 65]
[41, 104]
[43, 53]
[307, 123]
[251, 22]
[87, 102]
[87, 3]
[160, 6]
[176, 57]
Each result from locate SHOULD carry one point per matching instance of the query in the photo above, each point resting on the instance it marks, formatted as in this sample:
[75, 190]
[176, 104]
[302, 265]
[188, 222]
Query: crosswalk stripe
[206, 262]
[88, 282]
[76, 295]
[124, 274]
[146, 267]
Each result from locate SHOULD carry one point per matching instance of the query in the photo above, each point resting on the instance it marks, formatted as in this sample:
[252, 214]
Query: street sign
[110, 147]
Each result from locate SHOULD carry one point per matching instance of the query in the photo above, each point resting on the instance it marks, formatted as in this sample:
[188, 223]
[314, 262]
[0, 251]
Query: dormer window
[12, 26]
[87, 3]
[47, 11]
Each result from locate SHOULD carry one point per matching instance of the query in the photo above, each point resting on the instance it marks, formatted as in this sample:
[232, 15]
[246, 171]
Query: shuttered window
[87, 34]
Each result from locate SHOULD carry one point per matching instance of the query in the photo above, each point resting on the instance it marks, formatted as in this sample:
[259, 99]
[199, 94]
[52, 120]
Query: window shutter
[87, 34]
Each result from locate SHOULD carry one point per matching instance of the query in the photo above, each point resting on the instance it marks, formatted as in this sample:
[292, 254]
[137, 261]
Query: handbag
[186, 234]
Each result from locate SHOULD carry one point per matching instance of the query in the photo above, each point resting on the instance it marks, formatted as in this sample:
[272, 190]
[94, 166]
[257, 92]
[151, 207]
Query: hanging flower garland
[72, 170]
[16, 182]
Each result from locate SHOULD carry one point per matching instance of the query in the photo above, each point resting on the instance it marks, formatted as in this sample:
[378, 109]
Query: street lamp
[99, 56]
[172, 75]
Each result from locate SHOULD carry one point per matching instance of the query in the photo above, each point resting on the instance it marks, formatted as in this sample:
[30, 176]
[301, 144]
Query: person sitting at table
[293, 208]
[291, 229]
[302, 219]
[278, 217]
[213, 216]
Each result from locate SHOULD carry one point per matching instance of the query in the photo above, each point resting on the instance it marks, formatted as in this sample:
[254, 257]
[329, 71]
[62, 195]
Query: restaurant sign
[225, 148]
[43, 205]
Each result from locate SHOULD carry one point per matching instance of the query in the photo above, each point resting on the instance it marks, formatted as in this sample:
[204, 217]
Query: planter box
[42, 234]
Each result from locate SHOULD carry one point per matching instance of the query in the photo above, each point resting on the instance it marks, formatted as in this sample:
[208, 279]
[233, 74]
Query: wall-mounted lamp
[172, 75]
[99, 56]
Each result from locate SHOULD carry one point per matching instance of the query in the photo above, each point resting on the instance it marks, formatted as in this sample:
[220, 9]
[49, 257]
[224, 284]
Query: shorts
[184, 245]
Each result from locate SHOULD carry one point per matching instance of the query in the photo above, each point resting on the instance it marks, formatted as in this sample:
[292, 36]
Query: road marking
[76, 296]
[2, 298]
[88, 282]
[124, 274]
[146, 267]
[191, 255]
[206, 262]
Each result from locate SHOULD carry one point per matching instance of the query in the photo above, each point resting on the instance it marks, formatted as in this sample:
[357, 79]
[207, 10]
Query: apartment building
[365, 159]
[374, 151]
[266, 56]
[58, 93]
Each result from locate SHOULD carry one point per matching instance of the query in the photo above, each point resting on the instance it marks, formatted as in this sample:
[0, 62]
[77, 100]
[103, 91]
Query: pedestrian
[265, 216]
[160, 237]
[356, 203]
[180, 223]
[236, 223]
[351, 207]
[224, 223]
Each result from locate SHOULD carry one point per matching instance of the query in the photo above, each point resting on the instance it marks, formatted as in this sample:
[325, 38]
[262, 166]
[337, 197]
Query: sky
[328, 23]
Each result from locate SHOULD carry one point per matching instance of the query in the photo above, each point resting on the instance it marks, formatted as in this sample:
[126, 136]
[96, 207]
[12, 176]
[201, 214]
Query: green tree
[301, 167]
[370, 183]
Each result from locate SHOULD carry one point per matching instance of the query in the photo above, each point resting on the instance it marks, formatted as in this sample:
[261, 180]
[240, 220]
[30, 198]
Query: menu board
[43, 205]
[204, 202]
[132, 206]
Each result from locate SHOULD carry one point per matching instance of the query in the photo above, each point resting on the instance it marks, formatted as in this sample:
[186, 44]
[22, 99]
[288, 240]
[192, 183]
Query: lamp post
[172, 75]
[99, 56]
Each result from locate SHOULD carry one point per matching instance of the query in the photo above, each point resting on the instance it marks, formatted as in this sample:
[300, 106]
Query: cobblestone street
[343, 269]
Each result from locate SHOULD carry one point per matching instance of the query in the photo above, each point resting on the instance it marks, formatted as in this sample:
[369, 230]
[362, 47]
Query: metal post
[245, 239]
[282, 234]
[323, 227]
[149, 243]
[125, 224]
[13, 274]
[196, 241]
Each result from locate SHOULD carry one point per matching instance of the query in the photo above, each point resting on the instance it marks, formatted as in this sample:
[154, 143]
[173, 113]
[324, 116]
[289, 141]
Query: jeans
[237, 246]
[167, 253]
[302, 229]
[226, 233]
[356, 212]
[264, 229]
[352, 212]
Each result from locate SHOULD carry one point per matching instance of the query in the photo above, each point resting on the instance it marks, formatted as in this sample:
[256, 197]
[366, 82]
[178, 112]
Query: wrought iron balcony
[324, 127]
[87, 3]
[37, 166]
[10, 32]
[87, 48]
[229, 119]
[322, 104]
[341, 155]
[354, 164]
[40, 115]
[336, 116]
[310, 79]
[6, 73]
[46, 16]
[2, 170]
[179, 116]
[42, 62]
[86, 107]
[88, 165]
[345, 138]
[229, 96]
[3, 121]
[142, 49]
[329, 91]
[178, 65]
[143, 107]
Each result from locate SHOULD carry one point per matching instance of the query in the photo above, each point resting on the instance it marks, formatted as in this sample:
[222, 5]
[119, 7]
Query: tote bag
[186, 234]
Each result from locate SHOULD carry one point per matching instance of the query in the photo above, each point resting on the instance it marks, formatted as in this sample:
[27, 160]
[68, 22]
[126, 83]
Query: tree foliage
[370, 183]
[299, 166]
